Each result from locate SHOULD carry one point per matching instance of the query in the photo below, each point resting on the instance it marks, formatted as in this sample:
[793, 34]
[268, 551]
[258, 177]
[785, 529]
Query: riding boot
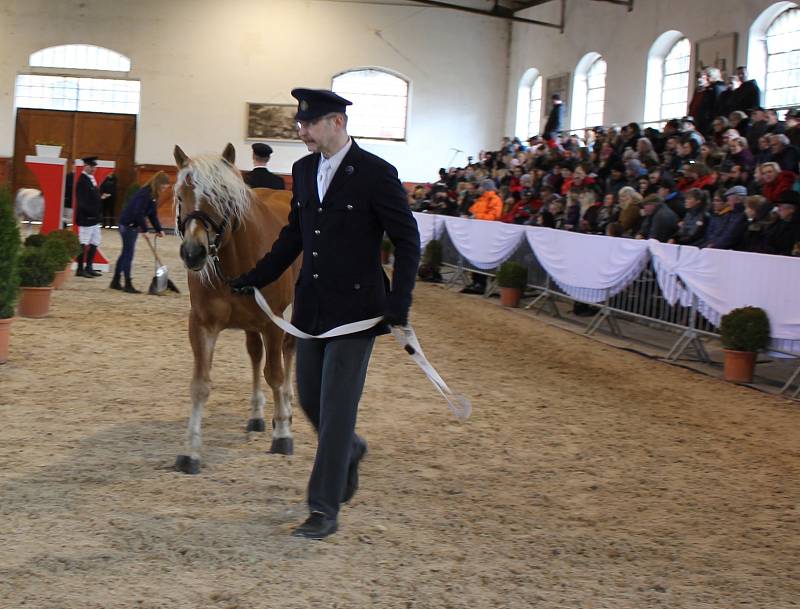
[80, 272]
[90, 261]
[129, 286]
[115, 284]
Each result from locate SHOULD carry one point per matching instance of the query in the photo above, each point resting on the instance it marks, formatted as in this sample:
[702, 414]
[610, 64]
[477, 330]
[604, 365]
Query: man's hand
[241, 287]
[394, 319]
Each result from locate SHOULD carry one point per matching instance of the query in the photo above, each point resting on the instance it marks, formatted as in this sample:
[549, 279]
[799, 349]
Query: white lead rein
[460, 406]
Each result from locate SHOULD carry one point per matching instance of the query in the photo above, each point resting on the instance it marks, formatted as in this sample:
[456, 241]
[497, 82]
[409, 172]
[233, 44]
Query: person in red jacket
[774, 182]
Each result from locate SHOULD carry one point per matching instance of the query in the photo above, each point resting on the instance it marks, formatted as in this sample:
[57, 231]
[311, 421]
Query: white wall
[200, 61]
[623, 39]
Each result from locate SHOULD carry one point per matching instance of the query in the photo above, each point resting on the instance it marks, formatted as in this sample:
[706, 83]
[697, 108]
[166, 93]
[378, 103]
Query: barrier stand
[546, 297]
[691, 338]
[459, 274]
[788, 384]
[604, 314]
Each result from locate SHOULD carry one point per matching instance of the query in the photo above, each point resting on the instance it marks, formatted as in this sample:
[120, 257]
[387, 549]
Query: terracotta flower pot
[35, 302]
[510, 297]
[59, 279]
[5, 337]
[739, 366]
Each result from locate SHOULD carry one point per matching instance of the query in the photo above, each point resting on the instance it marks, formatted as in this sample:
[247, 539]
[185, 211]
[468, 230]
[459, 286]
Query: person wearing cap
[344, 200]
[728, 223]
[88, 217]
[659, 221]
[260, 176]
[783, 237]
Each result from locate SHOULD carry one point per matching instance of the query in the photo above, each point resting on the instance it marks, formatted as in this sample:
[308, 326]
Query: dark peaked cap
[313, 103]
[261, 150]
[90, 160]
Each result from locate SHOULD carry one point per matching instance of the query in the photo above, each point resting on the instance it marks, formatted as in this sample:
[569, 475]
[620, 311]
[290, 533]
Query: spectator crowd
[724, 176]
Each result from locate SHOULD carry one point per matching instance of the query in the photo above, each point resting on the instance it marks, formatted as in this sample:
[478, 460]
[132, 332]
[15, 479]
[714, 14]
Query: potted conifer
[63, 246]
[36, 273]
[512, 278]
[430, 269]
[9, 277]
[743, 332]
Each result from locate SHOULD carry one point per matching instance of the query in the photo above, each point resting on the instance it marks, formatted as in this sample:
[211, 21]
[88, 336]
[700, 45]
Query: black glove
[395, 319]
[241, 286]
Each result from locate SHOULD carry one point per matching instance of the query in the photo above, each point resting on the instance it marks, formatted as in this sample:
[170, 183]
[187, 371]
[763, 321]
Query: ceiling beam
[499, 14]
[628, 3]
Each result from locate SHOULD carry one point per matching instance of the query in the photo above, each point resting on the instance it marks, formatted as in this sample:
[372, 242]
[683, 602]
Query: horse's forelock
[219, 184]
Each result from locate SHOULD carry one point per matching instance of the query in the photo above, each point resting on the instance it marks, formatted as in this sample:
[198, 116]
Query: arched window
[588, 92]
[782, 86]
[77, 92]
[675, 80]
[758, 54]
[380, 103]
[529, 104]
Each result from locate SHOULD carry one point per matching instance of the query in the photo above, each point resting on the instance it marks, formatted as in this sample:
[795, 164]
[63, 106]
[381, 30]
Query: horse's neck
[245, 247]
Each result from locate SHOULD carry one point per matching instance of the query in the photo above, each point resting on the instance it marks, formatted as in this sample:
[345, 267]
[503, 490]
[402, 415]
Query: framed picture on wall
[556, 84]
[271, 122]
[716, 52]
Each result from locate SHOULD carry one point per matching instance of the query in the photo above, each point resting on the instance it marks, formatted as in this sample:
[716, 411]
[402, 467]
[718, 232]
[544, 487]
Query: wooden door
[111, 137]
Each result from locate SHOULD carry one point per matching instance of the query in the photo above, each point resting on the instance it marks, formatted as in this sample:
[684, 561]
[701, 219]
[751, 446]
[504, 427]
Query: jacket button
[356, 286]
[349, 207]
[299, 204]
[316, 232]
[315, 254]
[319, 210]
[315, 276]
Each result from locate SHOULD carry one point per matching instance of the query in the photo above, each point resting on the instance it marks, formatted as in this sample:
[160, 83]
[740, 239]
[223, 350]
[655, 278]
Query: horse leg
[203, 342]
[255, 348]
[279, 379]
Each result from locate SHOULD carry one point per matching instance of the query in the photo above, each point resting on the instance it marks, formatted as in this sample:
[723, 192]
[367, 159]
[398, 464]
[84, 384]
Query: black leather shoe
[359, 450]
[94, 273]
[316, 526]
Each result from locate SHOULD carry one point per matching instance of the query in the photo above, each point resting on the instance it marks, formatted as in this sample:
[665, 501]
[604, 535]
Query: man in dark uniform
[260, 176]
[88, 216]
[344, 198]
[555, 119]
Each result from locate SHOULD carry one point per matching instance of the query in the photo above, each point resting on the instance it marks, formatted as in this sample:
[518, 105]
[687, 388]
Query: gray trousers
[330, 379]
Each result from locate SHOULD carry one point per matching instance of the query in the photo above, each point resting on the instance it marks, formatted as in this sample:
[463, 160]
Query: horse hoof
[256, 425]
[187, 465]
[282, 446]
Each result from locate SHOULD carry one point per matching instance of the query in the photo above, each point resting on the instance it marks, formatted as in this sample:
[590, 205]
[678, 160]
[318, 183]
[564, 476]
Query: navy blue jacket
[725, 231]
[90, 206]
[141, 205]
[261, 177]
[341, 279]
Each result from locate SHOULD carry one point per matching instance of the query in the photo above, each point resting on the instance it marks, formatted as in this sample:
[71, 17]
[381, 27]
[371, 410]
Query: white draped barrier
[590, 268]
[484, 244]
[430, 227]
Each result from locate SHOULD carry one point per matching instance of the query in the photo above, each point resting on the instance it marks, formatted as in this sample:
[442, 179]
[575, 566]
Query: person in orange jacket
[488, 206]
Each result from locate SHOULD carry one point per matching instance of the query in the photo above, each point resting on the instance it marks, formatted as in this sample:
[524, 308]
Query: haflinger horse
[225, 228]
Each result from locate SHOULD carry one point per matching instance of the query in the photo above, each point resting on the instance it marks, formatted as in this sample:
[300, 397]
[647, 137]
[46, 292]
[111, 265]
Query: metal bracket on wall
[628, 3]
[504, 12]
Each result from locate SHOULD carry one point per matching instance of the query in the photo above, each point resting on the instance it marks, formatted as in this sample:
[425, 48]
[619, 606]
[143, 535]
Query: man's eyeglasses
[313, 121]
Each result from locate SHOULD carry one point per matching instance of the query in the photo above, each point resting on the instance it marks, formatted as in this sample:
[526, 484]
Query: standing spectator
[728, 222]
[555, 120]
[748, 95]
[659, 221]
[108, 194]
[692, 229]
[711, 106]
[88, 216]
[132, 221]
[260, 176]
[784, 235]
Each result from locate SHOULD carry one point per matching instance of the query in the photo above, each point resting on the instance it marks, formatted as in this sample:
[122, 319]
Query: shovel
[161, 281]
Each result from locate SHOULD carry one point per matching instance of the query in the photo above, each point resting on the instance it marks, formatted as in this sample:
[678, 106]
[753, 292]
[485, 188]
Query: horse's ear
[181, 160]
[229, 154]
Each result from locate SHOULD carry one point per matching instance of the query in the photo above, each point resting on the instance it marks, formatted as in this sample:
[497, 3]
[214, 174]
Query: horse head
[211, 200]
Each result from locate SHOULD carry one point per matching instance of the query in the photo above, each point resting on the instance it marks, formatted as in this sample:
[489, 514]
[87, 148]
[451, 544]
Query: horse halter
[209, 226]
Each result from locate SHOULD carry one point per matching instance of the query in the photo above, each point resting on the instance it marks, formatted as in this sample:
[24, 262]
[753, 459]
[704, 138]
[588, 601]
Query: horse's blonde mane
[220, 185]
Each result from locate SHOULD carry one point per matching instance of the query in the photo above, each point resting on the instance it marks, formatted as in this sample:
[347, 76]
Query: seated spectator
[783, 237]
[688, 149]
[759, 220]
[417, 199]
[589, 211]
[718, 126]
[783, 153]
[740, 154]
[774, 124]
[758, 128]
[523, 210]
[607, 214]
[630, 215]
[644, 151]
[773, 181]
[793, 127]
[616, 178]
[644, 187]
[572, 210]
[697, 175]
[732, 174]
[633, 171]
[739, 121]
[728, 222]
[673, 197]
[659, 221]
[488, 206]
[763, 152]
[466, 198]
[692, 228]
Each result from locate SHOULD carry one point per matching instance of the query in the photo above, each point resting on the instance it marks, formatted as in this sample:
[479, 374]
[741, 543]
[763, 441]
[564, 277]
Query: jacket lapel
[347, 169]
[311, 178]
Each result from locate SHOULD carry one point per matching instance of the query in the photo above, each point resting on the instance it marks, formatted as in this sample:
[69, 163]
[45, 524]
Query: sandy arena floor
[588, 477]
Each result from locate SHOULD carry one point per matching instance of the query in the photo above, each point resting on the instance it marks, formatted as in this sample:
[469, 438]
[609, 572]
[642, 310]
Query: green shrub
[70, 239]
[35, 240]
[745, 329]
[58, 252]
[432, 255]
[387, 246]
[10, 246]
[36, 268]
[512, 275]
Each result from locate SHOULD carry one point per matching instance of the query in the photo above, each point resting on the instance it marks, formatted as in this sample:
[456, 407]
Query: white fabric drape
[724, 280]
[590, 268]
[430, 227]
[484, 243]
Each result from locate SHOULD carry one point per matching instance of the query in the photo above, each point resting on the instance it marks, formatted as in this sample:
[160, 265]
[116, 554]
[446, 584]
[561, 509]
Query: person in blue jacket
[132, 221]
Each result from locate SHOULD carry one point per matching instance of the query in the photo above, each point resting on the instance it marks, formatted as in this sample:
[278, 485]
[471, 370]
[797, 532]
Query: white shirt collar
[335, 160]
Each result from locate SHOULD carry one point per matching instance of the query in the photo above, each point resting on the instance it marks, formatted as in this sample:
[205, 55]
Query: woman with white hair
[630, 215]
